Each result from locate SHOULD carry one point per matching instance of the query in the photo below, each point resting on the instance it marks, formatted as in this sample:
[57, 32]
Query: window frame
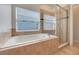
[47, 20]
[38, 29]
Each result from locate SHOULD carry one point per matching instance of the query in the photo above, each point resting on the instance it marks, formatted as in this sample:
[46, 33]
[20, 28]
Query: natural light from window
[27, 20]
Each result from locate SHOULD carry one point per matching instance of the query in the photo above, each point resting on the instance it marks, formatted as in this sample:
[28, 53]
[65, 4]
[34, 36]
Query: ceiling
[50, 8]
[36, 7]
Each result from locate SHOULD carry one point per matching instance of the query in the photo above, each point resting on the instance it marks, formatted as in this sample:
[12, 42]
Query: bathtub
[26, 40]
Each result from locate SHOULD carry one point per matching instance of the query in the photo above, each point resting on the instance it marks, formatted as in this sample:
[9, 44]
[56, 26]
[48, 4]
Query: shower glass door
[62, 25]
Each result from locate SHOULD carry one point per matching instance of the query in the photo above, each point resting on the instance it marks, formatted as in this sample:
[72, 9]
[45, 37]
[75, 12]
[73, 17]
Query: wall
[5, 23]
[76, 22]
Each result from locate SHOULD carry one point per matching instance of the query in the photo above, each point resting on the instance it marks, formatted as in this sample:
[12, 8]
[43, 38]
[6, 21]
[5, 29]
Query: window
[49, 22]
[27, 20]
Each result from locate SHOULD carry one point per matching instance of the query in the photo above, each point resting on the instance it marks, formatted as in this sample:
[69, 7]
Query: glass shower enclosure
[62, 25]
[56, 23]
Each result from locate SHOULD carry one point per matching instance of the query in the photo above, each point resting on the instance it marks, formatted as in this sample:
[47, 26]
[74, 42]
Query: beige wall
[5, 22]
[76, 22]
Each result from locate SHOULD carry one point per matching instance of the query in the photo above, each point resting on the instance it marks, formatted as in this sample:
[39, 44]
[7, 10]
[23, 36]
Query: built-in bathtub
[30, 44]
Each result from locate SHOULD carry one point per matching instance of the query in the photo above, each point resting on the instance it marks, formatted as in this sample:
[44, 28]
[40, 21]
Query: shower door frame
[66, 18]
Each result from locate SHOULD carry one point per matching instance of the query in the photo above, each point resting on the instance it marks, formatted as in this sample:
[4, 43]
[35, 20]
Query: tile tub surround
[46, 47]
[15, 33]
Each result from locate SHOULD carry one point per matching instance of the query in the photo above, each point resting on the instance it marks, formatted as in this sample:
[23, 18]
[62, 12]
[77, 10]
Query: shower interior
[61, 27]
[62, 24]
